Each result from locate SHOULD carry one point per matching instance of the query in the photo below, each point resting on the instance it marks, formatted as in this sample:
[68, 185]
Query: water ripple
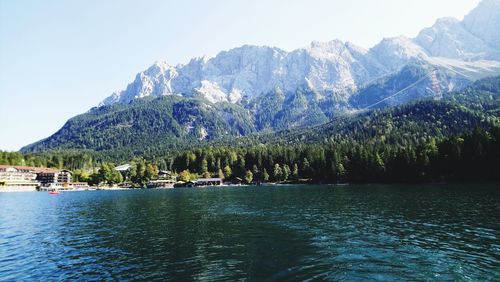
[371, 232]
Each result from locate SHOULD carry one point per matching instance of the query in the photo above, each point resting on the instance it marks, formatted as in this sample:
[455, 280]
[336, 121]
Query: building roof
[31, 168]
[123, 167]
[208, 179]
[161, 181]
[46, 170]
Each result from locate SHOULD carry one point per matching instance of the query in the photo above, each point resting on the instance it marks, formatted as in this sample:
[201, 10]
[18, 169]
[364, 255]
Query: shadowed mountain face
[254, 89]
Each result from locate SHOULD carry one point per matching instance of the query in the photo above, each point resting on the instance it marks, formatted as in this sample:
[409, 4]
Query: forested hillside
[154, 126]
[431, 140]
[166, 121]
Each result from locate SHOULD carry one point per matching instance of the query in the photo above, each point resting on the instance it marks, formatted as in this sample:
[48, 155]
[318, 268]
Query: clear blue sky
[60, 58]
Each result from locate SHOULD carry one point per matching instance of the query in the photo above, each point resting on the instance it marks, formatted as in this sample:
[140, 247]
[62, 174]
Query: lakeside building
[65, 176]
[200, 182]
[161, 183]
[237, 181]
[208, 182]
[48, 176]
[124, 171]
[123, 168]
[26, 178]
[21, 177]
[165, 180]
[166, 174]
[65, 186]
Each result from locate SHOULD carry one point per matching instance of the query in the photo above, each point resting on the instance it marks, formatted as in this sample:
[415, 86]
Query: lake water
[416, 232]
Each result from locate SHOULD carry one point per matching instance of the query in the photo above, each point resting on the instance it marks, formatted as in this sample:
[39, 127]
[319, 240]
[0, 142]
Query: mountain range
[254, 89]
[470, 46]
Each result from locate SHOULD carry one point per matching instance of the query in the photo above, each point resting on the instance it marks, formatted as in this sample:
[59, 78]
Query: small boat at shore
[55, 192]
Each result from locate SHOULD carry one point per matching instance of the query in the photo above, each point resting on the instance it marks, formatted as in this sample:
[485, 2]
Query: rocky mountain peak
[484, 22]
[333, 66]
[449, 38]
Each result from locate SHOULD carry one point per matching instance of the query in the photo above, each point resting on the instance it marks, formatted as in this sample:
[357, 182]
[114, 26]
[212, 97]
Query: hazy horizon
[59, 59]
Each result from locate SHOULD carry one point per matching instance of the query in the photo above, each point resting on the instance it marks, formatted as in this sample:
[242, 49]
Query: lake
[376, 232]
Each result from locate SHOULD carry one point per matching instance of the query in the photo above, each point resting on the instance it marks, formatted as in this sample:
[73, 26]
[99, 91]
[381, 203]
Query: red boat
[54, 192]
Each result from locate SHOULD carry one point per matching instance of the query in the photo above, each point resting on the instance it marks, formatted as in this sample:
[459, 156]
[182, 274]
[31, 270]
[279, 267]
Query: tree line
[472, 156]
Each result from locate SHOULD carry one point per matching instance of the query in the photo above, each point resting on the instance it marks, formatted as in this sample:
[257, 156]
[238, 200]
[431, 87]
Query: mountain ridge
[323, 66]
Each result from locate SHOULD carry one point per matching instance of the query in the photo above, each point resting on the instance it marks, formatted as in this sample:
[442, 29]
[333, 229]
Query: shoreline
[11, 189]
[17, 189]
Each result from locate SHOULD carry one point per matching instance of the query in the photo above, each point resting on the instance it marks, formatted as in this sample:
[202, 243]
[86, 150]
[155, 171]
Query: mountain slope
[459, 112]
[166, 121]
[398, 125]
[412, 83]
[157, 126]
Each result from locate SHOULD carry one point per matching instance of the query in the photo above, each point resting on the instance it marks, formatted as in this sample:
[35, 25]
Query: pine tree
[248, 177]
[295, 172]
[265, 175]
[227, 171]
[285, 172]
[277, 172]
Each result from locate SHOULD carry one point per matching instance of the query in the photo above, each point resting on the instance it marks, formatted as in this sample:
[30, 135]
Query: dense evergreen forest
[454, 138]
[472, 156]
